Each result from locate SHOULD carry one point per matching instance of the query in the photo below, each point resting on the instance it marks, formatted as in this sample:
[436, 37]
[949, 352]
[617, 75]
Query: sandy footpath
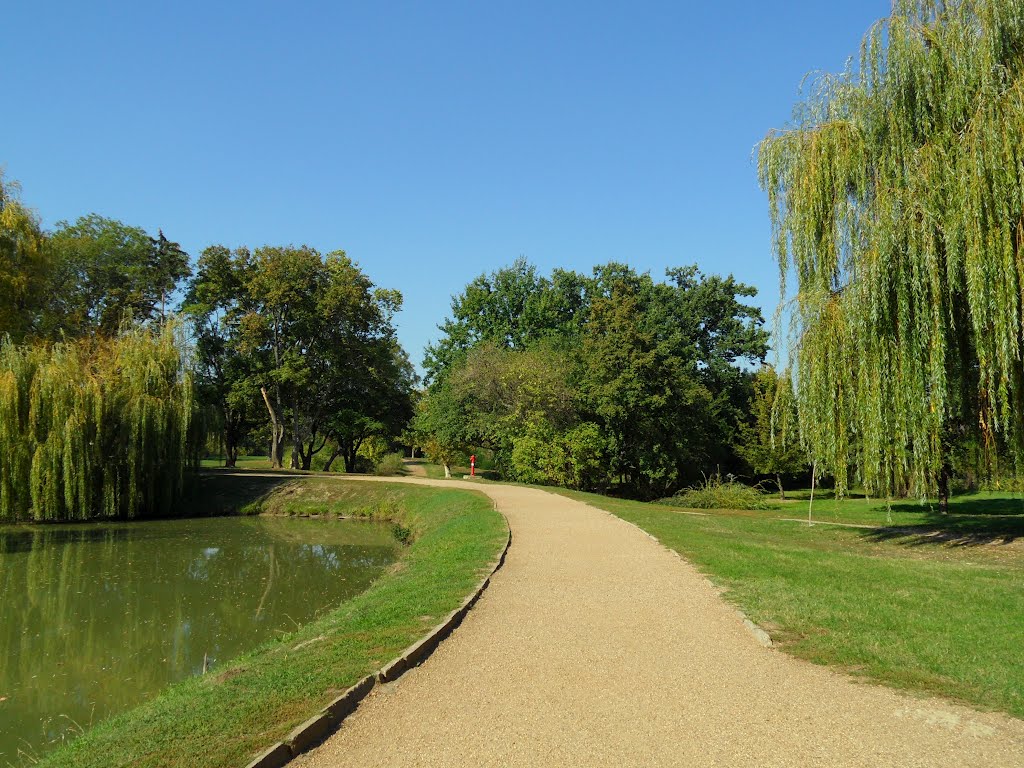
[594, 646]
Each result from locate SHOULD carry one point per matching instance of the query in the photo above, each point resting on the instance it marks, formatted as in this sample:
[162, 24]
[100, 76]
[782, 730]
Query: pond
[95, 619]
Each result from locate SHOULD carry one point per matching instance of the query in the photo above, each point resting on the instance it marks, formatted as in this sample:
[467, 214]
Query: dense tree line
[601, 381]
[114, 354]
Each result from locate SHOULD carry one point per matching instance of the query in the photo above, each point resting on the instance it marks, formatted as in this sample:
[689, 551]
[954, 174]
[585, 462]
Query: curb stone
[317, 728]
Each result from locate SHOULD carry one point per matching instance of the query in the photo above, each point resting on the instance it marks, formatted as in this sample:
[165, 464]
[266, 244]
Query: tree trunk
[447, 470]
[814, 477]
[782, 491]
[276, 433]
[944, 475]
[230, 444]
[296, 439]
[330, 461]
[307, 453]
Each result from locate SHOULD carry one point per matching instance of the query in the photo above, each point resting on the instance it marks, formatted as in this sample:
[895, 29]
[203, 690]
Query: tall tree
[897, 198]
[770, 442]
[306, 338]
[95, 427]
[512, 307]
[226, 378]
[25, 266]
[107, 272]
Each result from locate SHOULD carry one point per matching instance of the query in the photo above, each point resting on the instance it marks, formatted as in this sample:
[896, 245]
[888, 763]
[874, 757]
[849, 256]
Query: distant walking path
[594, 646]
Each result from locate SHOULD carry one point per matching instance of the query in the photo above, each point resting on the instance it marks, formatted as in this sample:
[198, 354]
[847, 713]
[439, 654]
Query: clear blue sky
[432, 140]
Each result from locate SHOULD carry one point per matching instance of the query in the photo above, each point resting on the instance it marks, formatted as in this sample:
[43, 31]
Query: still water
[97, 618]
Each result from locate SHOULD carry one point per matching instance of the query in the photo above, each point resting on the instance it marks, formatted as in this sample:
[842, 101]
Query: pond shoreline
[261, 697]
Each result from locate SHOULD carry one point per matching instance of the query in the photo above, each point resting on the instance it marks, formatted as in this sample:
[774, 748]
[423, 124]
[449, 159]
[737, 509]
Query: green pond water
[97, 618]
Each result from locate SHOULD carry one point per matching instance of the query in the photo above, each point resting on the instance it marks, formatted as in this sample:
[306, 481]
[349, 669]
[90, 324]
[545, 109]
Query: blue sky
[432, 141]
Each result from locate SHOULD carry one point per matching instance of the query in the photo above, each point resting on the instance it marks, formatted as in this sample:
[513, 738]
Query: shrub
[390, 464]
[718, 494]
[546, 456]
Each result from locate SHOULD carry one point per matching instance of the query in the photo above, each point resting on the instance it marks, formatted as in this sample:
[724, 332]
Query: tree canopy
[897, 198]
[25, 266]
[594, 380]
[303, 339]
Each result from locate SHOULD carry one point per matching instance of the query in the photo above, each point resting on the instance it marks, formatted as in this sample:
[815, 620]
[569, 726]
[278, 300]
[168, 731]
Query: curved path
[595, 646]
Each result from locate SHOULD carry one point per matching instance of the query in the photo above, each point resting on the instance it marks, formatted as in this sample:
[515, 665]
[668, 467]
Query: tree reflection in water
[96, 618]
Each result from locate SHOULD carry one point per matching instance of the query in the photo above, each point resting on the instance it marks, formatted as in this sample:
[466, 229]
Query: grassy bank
[224, 718]
[935, 604]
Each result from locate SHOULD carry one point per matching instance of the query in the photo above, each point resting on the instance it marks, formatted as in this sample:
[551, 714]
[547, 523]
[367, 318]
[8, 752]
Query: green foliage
[897, 202]
[594, 381]
[25, 266]
[715, 493]
[304, 339]
[390, 464]
[85, 278]
[771, 444]
[95, 428]
[573, 459]
[107, 272]
[512, 308]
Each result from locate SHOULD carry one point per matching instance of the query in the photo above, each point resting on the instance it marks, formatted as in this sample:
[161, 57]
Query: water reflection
[96, 618]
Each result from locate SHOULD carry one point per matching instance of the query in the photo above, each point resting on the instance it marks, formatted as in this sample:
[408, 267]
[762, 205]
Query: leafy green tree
[645, 393]
[575, 458]
[226, 378]
[510, 308]
[771, 443]
[440, 425]
[529, 362]
[897, 202]
[25, 267]
[375, 401]
[95, 427]
[107, 272]
[308, 339]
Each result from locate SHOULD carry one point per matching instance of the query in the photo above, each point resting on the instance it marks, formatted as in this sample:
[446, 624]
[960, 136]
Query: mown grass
[934, 605]
[223, 719]
[436, 471]
[243, 462]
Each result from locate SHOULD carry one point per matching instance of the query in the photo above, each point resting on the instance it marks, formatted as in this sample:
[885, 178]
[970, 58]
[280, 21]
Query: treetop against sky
[433, 142]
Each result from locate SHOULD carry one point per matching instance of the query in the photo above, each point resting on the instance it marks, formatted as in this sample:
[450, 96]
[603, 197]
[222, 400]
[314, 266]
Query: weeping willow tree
[95, 428]
[897, 199]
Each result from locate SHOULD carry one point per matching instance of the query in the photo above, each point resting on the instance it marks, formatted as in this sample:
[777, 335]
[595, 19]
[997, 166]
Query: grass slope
[224, 718]
[936, 605]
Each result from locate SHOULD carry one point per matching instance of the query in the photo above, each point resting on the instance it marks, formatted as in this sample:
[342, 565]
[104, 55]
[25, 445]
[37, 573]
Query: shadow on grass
[973, 520]
[215, 493]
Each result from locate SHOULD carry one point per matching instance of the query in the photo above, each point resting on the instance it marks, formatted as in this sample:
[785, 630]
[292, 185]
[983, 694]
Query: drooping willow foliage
[897, 199]
[95, 428]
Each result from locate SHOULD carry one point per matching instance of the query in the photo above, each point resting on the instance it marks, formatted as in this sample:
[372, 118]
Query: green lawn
[935, 604]
[244, 462]
[985, 510]
[223, 719]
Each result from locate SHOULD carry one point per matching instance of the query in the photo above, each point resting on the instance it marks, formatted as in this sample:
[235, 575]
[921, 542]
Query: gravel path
[595, 646]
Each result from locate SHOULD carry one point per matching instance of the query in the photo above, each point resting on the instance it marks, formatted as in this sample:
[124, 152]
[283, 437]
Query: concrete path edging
[321, 725]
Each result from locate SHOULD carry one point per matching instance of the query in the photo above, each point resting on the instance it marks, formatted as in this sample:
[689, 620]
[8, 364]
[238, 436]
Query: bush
[391, 464]
[718, 494]
[545, 456]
